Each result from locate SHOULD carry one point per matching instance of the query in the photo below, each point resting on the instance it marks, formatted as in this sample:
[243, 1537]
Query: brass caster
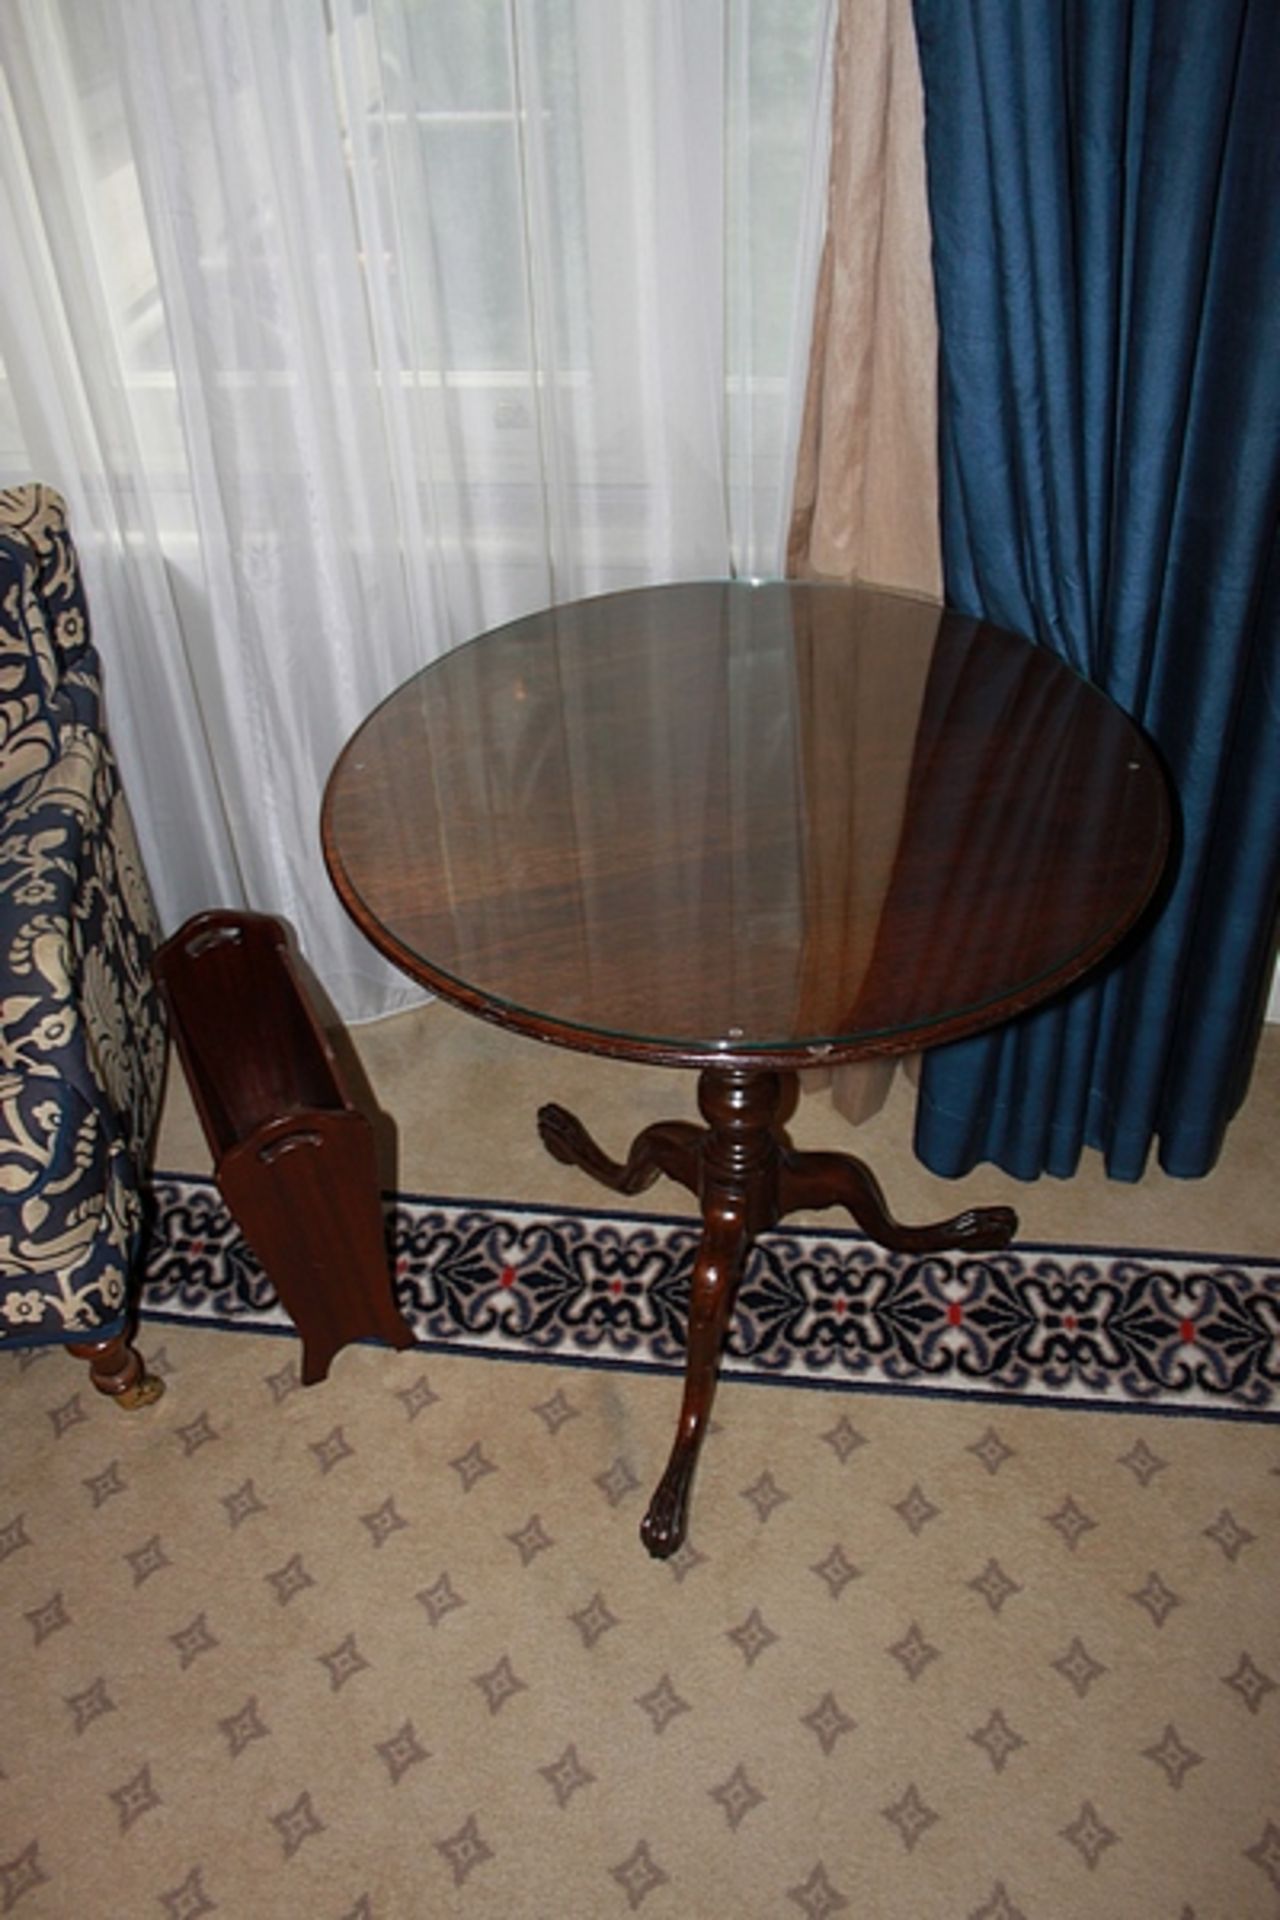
[144, 1393]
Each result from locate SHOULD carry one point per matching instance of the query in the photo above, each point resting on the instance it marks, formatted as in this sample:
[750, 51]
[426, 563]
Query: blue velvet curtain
[1104, 182]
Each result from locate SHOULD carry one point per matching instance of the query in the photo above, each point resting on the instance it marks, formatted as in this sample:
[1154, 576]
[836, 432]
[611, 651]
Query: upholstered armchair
[82, 1045]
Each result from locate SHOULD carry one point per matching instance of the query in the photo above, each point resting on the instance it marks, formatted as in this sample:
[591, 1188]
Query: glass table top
[768, 823]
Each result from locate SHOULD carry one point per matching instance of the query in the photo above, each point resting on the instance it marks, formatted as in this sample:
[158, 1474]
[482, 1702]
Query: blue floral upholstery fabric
[82, 1040]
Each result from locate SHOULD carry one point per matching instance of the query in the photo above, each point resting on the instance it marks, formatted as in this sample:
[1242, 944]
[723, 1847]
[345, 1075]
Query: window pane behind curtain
[536, 128]
[444, 92]
[376, 322]
[439, 90]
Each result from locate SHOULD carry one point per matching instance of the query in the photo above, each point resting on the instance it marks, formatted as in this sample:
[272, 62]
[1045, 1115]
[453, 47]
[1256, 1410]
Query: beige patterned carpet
[389, 1649]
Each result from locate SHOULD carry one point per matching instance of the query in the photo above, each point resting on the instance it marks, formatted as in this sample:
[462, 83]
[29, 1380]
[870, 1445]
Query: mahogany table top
[749, 824]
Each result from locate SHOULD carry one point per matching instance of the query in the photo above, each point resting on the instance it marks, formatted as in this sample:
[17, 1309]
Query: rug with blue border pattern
[1124, 1329]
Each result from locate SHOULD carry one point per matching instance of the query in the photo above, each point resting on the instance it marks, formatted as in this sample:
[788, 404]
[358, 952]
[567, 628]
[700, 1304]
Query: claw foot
[567, 1140]
[663, 1528]
[143, 1393]
[983, 1229]
[564, 1137]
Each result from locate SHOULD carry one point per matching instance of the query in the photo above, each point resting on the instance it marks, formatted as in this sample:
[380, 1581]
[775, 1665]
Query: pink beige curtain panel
[866, 488]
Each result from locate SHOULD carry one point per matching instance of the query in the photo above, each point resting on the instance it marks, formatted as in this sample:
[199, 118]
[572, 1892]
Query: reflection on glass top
[734, 819]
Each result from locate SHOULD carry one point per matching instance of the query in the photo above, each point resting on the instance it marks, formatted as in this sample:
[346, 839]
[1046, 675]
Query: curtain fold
[865, 503]
[1104, 185]
[865, 499]
[352, 327]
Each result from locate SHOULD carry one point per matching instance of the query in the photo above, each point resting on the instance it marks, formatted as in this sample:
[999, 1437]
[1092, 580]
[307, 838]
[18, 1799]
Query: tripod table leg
[746, 1177]
[716, 1273]
[740, 1157]
[811, 1181]
[669, 1146]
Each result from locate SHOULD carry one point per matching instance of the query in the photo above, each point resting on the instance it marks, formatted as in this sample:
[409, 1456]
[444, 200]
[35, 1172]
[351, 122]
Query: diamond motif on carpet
[1194, 1333]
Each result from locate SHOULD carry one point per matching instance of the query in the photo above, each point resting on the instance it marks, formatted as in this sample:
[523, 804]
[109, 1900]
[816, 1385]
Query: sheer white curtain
[351, 327]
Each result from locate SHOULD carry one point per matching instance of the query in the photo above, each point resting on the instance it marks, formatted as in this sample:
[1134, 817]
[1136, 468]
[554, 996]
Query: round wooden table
[746, 828]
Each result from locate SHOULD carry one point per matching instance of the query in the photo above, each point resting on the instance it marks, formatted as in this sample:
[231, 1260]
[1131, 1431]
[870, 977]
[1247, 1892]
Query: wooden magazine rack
[293, 1159]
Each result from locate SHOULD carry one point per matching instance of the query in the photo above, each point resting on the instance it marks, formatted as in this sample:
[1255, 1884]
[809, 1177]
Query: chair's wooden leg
[117, 1369]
